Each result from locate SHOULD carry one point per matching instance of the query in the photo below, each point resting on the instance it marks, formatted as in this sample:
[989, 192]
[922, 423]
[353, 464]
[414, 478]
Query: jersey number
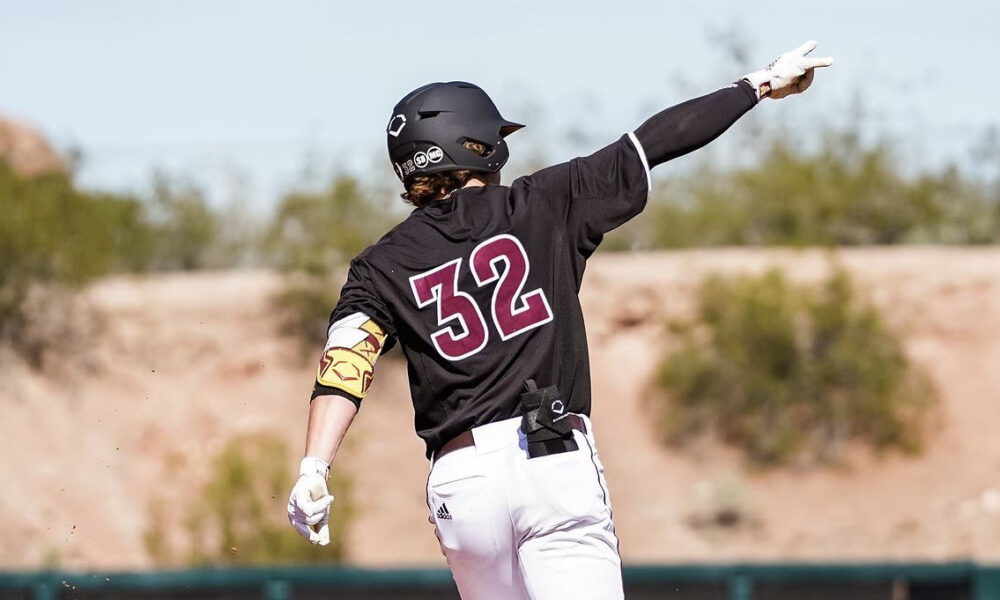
[464, 331]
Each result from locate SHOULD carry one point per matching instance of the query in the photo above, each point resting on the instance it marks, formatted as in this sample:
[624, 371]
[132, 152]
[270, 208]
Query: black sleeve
[360, 294]
[690, 125]
[594, 194]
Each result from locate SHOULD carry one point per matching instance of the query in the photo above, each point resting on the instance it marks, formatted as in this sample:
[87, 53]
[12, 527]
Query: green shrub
[312, 239]
[240, 518]
[55, 237]
[52, 232]
[786, 373]
[304, 304]
[185, 226]
[317, 233]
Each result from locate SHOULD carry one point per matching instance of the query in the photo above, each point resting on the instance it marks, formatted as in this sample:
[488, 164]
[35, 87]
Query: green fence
[892, 581]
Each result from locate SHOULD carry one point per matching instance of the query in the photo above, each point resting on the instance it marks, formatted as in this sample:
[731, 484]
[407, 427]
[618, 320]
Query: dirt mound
[187, 361]
[25, 150]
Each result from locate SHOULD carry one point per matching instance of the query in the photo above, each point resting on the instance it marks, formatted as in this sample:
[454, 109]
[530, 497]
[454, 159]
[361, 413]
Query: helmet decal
[396, 125]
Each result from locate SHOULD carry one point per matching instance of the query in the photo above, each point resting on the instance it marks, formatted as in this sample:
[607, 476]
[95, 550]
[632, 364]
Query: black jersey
[481, 289]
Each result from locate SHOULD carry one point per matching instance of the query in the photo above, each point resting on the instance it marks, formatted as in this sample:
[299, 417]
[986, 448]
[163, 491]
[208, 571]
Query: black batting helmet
[430, 125]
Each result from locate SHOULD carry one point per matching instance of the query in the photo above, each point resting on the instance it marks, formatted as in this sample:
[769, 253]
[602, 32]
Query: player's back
[480, 289]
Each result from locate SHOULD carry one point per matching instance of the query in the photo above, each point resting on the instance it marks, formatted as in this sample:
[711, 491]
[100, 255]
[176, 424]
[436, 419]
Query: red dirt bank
[187, 361]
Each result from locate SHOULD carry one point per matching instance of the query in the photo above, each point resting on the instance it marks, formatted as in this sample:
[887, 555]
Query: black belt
[535, 449]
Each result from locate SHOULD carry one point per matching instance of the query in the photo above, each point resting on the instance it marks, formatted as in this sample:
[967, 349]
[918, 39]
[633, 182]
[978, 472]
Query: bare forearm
[329, 418]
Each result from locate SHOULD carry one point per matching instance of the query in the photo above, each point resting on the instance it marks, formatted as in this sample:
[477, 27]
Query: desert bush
[184, 228]
[50, 231]
[239, 517]
[303, 304]
[317, 233]
[790, 373]
[311, 240]
[53, 239]
[53, 326]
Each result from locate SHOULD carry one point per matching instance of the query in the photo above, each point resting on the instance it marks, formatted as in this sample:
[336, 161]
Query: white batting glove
[790, 73]
[309, 503]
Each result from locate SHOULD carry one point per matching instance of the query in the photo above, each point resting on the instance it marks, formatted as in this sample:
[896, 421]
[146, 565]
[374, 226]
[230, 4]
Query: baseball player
[479, 287]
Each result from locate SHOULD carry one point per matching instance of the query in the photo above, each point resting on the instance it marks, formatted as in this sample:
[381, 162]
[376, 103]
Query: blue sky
[248, 98]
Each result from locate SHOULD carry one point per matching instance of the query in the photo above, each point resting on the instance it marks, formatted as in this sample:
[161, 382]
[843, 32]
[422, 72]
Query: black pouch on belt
[545, 422]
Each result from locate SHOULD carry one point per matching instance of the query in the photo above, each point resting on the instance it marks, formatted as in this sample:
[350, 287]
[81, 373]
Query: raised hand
[791, 73]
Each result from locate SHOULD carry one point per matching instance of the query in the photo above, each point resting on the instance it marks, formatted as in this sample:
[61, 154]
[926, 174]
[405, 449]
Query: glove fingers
[323, 535]
[306, 531]
[312, 518]
[812, 63]
[308, 512]
[309, 508]
[304, 503]
[317, 506]
[317, 518]
[806, 48]
[316, 535]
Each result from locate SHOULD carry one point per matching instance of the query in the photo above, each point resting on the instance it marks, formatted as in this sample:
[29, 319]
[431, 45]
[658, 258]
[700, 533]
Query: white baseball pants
[513, 527]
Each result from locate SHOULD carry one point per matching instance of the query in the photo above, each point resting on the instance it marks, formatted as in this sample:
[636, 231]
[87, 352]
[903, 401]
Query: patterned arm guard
[348, 362]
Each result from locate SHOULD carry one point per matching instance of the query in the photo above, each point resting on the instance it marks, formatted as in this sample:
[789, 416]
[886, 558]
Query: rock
[26, 151]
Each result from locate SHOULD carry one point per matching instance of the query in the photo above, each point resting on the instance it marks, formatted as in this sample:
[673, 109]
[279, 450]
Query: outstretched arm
[688, 126]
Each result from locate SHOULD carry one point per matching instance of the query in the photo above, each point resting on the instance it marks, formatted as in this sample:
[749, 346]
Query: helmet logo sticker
[435, 154]
[396, 125]
[420, 159]
[403, 170]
